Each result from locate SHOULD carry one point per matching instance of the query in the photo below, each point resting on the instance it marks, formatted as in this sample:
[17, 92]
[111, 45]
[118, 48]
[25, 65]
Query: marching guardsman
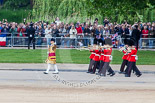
[96, 59]
[91, 59]
[132, 52]
[51, 60]
[125, 56]
[101, 59]
[107, 58]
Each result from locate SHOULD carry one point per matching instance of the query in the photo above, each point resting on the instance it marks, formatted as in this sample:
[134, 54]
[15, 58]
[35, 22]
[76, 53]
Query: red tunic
[107, 54]
[125, 55]
[102, 55]
[92, 55]
[97, 55]
[132, 55]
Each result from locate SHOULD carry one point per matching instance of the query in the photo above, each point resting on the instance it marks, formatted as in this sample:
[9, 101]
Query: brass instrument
[106, 47]
[130, 48]
[86, 48]
[94, 47]
[124, 48]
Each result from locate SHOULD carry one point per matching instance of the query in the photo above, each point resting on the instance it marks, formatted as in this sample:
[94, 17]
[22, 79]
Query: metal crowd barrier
[62, 42]
[66, 42]
[148, 43]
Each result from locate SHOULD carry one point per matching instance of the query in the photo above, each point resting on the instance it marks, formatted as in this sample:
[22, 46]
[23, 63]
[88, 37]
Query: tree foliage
[44, 9]
[75, 10]
[79, 10]
[16, 4]
[118, 10]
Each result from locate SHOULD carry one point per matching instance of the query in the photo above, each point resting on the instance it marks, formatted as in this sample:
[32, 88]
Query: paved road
[26, 83]
[73, 75]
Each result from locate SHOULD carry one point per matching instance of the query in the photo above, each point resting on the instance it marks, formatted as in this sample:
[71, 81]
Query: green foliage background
[80, 10]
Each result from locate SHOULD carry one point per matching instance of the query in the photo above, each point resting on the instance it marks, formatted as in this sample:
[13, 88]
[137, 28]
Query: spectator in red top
[144, 32]
[21, 30]
[79, 29]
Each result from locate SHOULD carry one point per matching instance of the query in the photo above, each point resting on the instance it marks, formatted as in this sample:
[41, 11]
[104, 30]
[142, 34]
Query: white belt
[107, 55]
[136, 57]
[93, 53]
[102, 54]
[110, 56]
[97, 55]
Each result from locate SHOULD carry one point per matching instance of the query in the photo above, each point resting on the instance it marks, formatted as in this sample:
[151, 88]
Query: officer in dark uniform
[136, 35]
[31, 37]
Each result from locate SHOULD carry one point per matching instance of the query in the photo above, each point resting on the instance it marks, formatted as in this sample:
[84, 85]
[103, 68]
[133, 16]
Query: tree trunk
[31, 4]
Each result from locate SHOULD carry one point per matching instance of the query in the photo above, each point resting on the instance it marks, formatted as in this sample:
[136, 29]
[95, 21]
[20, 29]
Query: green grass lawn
[66, 56]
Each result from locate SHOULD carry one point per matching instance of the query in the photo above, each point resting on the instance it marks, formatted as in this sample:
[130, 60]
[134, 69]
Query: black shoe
[97, 68]
[55, 73]
[138, 75]
[92, 73]
[112, 74]
[102, 75]
[109, 73]
[126, 75]
[121, 72]
[98, 73]
[88, 72]
[45, 73]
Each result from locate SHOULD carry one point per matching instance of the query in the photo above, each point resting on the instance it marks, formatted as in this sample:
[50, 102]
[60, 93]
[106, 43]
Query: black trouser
[106, 67]
[90, 65]
[33, 42]
[95, 66]
[101, 65]
[110, 70]
[98, 65]
[125, 62]
[132, 66]
[127, 68]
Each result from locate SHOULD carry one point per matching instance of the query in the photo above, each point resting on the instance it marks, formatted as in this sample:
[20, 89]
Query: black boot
[138, 75]
[89, 71]
[112, 74]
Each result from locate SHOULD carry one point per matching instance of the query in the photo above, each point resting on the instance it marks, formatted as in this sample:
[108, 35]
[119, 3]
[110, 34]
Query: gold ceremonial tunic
[51, 56]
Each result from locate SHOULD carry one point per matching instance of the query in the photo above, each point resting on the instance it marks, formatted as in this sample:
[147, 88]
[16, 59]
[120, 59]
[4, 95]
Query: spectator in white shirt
[57, 21]
[48, 34]
[73, 33]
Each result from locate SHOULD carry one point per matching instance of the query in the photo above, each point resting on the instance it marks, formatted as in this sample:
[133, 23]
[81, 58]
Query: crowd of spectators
[82, 31]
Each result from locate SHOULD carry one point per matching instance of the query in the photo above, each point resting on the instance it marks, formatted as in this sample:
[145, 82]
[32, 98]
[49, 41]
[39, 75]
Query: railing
[42, 42]
[67, 42]
[147, 43]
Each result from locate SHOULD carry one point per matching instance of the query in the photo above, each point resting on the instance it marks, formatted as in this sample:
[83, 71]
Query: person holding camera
[21, 31]
[48, 34]
[73, 33]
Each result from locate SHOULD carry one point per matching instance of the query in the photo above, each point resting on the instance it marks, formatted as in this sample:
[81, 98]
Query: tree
[45, 9]
[74, 10]
[118, 10]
